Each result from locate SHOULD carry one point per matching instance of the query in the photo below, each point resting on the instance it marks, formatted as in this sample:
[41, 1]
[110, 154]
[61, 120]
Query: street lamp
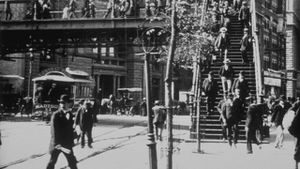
[150, 39]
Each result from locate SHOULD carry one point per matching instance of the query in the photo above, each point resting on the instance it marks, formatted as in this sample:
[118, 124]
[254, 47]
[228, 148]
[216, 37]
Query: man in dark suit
[245, 45]
[62, 134]
[241, 84]
[229, 111]
[222, 118]
[244, 15]
[84, 118]
[210, 89]
[253, 122]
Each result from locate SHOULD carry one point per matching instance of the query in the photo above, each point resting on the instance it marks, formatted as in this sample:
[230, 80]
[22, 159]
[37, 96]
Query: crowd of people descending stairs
[235, 91]
[230, 18]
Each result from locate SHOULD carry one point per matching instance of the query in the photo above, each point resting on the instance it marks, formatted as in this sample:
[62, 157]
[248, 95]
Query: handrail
[256, 53]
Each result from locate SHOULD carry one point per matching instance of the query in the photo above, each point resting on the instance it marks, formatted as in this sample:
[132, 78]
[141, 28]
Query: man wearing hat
[222, 43]
[159, 119]
[210, 89]
[226, 73]
[254, 120]
[62, 140]
[245, 45]
[244, 15]
[84, 118]
[231, 117]
[240, 85]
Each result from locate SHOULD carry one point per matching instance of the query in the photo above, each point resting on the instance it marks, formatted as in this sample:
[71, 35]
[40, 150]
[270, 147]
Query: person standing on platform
[7, 10]
[210, 90]
[62, 140]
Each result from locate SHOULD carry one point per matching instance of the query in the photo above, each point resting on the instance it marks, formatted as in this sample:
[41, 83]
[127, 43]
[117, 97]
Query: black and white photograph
[149, 84]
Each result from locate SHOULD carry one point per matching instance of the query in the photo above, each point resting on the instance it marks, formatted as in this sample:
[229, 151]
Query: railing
[256, 53]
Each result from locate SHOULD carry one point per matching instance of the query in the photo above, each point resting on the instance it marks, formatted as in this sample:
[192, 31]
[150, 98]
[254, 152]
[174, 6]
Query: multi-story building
[292, 48]
[271, 24]
[103, 48]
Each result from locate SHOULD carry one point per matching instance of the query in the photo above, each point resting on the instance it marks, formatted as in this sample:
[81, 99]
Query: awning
[54, 78]
[12, 77]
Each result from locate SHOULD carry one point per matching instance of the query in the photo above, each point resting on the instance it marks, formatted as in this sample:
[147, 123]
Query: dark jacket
[229, 112]
[278, 115]
[159, 114]
[244, 13]
[210, 88]
[84, 118]
[61, 130]
[254, 115]
[222, 42]
[229, 73]
[243, 86]
[294, 128]
[246, 43]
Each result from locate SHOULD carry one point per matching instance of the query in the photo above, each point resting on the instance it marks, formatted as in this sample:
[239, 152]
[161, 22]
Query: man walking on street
[254, 114]
[62, 134]
[159, 119]
[84, 118]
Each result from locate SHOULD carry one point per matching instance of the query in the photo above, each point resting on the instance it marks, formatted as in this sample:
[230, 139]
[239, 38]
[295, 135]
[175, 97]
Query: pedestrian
[230, 119]
[294, 130]
[46, 9]
[253, 116]
[7, 10]
[72, 8]
[244, 15]
[143, 107]
[85, 11]
[237, 5]
[62, 134]
[84, 119]
[246, 43]
[210, 89]
[277, 119]
[92, 9]
[225, 20]
[112, 104]
[222, 118]
[109, 9]
[226, 73]
[241, 84]
[159, 119]
[65, 12]
[222, 43]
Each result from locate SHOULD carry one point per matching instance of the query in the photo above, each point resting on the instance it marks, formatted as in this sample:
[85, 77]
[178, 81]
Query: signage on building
[272, 81]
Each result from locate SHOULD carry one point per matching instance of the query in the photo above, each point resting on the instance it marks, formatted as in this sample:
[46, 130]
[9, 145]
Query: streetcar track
[34, 156]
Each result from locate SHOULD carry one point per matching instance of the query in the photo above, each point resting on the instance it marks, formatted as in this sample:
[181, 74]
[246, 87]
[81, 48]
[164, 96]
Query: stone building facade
[292, 48]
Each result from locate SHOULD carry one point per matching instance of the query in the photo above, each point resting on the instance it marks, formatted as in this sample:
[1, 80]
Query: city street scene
[157, 84]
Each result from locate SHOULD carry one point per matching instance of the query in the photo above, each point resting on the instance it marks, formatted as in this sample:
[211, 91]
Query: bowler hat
[223, 29]
[64, 99]
[156, 102]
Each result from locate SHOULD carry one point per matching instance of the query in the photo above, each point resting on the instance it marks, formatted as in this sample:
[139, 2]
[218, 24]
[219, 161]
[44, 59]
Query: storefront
[274, 83]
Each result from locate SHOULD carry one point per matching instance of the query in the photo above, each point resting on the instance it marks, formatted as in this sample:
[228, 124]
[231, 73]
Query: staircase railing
[256, 53]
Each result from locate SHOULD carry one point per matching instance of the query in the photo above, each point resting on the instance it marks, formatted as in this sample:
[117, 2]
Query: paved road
[123, 145]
